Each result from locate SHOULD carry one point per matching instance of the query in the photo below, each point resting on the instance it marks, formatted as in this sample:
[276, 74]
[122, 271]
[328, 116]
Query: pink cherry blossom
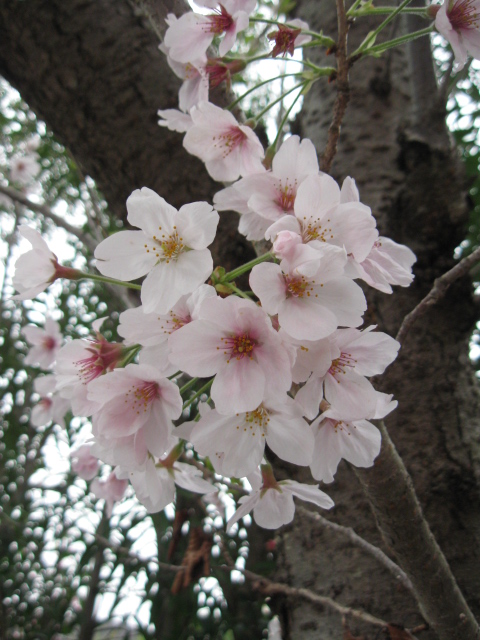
[152, 330]
[189, 37]
[322, 217]
[459, 23]
[234, 340]
[111, 490]
[81, 361]
[171, 248]
[272, 501]
[83, 463]
[155, 484]
[135, 401]
[45, 343]
[38, 268]
[358, 442]
[309, 292]
[242, 437]
[51, 407]
[387, 263]
[229, 149]
[271, 194]
[24, 168]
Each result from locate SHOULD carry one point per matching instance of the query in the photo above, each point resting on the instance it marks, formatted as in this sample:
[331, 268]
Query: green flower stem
[238, 291]
[284, 95]
[231, 275]
[379, 11]
[244, 95]
[379, 48]
[356, 4]
[205, 388]
[268, 56]
[328, 41]
[284, 120]
[373, 34]
[131, 353]
[97, 278]
[188, 385]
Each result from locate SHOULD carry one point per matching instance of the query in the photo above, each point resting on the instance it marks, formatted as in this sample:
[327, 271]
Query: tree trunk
[394, 143]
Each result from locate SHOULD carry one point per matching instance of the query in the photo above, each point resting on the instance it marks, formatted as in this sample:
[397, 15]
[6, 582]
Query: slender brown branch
[343, 89]
[18, 196]
[437, 292]
[389, 490]
[358, 541]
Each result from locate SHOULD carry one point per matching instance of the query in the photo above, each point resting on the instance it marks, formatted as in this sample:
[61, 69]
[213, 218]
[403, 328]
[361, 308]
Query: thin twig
[343, 89]
[17, 196]
[437, 292]
[269, 587]
[357, 540]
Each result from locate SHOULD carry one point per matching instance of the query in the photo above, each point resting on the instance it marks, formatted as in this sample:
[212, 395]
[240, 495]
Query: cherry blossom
[171, 248]
[155, 484]
[309, 292]
[271, 194]
[38, 268]
[175, 120]
[153, 330]
[459, 23]
[45, 343]
[272, 501]
[287, 38]
[51, 407]
[135, 401]
[189, 37]
[111, 490]
[24, 168]
[229, 149]
[242, 437]
[322, 217]
[358, 442]
[81, 361]
[84, 464]
[234, 340]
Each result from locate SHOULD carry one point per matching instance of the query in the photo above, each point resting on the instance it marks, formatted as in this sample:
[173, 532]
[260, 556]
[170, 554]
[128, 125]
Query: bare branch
[18, 196]
[437, 292]
[343, 89]
[358, 541]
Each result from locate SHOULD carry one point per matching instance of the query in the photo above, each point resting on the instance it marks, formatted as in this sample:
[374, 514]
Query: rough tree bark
[91, 69]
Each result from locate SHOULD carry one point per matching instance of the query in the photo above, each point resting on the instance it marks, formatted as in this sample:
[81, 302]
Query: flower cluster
[286, 365]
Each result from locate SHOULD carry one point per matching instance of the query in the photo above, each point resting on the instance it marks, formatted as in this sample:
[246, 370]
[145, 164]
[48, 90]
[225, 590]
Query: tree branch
[358, 541]
[18, 196]
[440, 287]
[389, 489]
[343, 89]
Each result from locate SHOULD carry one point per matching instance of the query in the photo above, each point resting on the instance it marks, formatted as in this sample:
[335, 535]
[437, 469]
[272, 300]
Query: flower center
[220, 21]
[313, 230]
[89, 368]
[464, 15]
[299, 287]
[256, 420]
[231, 139]
[286, 197]
[239, 347]
[339, 365]
[140, 396]
[49, 343]
[167, 247]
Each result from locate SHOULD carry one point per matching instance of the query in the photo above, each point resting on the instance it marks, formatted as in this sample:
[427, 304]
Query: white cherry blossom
[171, 249]
[84, 464]
[45, 343]
[111, 490]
